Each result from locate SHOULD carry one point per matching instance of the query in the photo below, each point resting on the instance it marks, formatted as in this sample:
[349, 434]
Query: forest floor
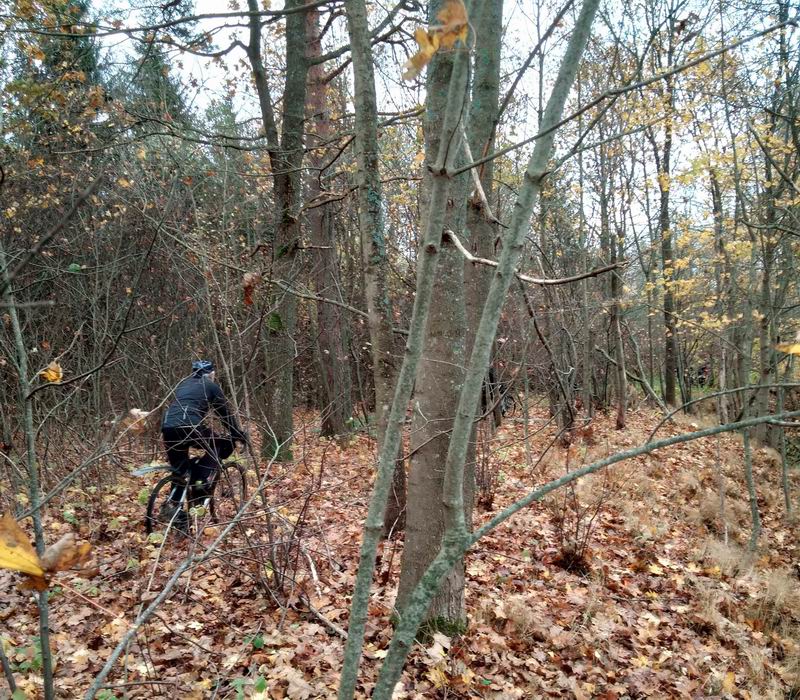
[653, 603]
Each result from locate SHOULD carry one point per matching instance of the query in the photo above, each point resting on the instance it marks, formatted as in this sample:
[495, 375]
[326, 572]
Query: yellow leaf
[428, 43]
[655, 569]
[437, 677]
[16, 552]
[124, 182]
[455, 24]
[729, 682]
[789, 348]
[52, 373]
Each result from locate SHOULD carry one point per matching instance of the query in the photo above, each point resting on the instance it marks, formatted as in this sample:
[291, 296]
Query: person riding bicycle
[183, 426]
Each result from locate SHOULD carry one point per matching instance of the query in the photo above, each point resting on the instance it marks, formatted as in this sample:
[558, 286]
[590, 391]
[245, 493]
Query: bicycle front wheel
[158, 498]
[230, 492]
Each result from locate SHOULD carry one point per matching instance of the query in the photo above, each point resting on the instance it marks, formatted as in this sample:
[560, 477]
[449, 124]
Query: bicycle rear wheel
[230, 492]
[158, 497]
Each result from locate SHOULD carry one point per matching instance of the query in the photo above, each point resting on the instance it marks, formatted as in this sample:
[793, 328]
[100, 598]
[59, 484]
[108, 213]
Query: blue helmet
[201, 367]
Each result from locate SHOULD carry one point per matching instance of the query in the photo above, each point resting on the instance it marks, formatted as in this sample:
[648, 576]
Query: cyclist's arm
[222, 408]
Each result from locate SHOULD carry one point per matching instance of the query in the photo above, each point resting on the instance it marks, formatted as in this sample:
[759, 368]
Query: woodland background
[280, 190]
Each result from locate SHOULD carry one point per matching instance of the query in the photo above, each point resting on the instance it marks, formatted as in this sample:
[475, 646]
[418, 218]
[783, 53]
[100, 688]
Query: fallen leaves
[454, 27]
[635, 624]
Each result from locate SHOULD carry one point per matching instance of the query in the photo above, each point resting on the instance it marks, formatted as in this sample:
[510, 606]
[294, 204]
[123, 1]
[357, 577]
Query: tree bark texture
[439, 376]
[457, 538]
[373, 240]
[286, 159]
[332, 330]
[426, 271]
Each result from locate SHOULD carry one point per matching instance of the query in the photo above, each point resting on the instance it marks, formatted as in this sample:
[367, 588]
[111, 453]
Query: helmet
[201, 367]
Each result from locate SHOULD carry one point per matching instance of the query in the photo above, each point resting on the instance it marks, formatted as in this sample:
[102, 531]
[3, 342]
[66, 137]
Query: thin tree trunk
[457, 537]
[334, 358]
[26, 405]
[373, 241]
[439, 380]
[286, 158]
[667, 269]
[426, 273]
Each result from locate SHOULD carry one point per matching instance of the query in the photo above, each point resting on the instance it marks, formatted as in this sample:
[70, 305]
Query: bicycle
[228, 491]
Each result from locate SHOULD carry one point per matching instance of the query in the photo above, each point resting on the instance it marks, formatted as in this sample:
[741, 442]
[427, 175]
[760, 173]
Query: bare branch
[449, 235]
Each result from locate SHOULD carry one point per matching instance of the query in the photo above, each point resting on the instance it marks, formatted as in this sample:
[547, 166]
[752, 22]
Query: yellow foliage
[454, 26]
[17, 554]
[52, 373]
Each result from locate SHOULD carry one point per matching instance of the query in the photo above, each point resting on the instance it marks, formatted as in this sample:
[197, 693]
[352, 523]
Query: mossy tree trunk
[373, 241]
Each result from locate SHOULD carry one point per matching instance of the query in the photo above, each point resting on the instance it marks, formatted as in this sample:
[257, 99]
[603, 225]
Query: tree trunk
[373, 242]
[667, 269]
[457, 538]
[26, 407]
[427, 261]
[621, 382]
[439, 380]
[286, 158]
[332, 344]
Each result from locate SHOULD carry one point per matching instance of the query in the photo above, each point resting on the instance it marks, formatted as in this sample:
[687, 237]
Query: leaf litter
[664, 608]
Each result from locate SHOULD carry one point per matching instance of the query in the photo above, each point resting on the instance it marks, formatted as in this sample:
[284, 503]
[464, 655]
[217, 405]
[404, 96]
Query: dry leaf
[52, 373]
[729, 682]
[428, 43]
[65, 554]
[789, 348]
[16, 551]
[137, 420]
[454, 26]
[249, 282]
[17, 554]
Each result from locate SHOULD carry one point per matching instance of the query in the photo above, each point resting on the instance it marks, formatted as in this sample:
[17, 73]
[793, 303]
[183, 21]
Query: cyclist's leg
[202, 473]
[176, 443]
[177, 451]
[218, 448]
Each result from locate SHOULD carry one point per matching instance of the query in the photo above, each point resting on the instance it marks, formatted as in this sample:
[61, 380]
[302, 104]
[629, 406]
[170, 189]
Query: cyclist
[183, 427]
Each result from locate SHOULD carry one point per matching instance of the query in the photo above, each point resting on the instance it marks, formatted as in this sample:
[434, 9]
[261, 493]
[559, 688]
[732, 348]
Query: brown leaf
[65, 554]
[249, 282]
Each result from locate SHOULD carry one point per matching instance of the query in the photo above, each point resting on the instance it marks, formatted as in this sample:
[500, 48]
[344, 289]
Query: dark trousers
[177, 442]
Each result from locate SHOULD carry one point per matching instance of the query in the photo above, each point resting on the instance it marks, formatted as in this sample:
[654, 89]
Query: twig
[638, 379]
[332, 626]
[12, 685]
[476, 179]
[80, 595]
[449, 235]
